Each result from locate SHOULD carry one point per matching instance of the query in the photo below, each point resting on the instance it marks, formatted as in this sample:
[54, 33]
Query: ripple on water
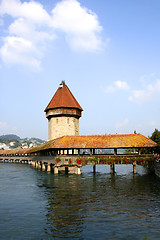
[37, 205]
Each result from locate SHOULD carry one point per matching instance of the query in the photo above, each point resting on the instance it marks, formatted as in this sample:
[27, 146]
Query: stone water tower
[63, 113]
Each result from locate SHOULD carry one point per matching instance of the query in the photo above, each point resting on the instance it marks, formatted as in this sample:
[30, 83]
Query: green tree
[156, 138]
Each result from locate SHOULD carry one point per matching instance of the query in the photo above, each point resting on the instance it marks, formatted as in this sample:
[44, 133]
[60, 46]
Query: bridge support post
[39, 165]
[55, 170]
[43, 167]
[48, 168]
[112, 169]
[134, 168]
[78, 171]
[33, 163]
[94, 168]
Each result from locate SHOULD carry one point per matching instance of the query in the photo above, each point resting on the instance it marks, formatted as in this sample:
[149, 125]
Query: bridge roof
[105, 141]
[90, 141]
[63, 98]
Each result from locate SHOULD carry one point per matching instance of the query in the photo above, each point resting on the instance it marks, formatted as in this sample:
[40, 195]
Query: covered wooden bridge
[70, 153]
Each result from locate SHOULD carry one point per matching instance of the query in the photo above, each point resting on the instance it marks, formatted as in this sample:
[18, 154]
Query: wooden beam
[112, 169]
[115, 151]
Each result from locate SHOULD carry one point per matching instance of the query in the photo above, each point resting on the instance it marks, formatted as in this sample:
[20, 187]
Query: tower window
[57, 120]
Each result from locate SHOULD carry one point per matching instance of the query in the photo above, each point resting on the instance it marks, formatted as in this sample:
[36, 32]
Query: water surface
[40, 205]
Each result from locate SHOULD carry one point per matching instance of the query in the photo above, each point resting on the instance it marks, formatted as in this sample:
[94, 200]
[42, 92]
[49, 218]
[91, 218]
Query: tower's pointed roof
[63, 98]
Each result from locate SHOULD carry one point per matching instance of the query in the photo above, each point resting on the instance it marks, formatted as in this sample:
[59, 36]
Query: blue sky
[107, 51]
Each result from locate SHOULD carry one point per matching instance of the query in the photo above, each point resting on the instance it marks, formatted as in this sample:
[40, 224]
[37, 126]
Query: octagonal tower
[63, 113]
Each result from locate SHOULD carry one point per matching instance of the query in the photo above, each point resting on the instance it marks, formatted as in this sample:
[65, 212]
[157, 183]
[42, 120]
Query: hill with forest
[13, 141]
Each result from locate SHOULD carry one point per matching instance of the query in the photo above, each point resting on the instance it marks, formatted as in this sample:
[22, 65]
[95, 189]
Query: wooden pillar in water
[112, 169]
[78, 171]
[33, 163]
[66, 170]
[48, 168]
[56, 170]
[39, 165]
[94, 168]
[134, 168]
[43, 167]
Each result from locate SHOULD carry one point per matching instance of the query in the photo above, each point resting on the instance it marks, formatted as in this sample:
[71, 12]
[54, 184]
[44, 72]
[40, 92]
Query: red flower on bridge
[79, 160]
[57, 160]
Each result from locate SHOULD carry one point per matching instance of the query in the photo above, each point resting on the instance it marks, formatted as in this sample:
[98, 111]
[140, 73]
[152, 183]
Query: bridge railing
[104, 159]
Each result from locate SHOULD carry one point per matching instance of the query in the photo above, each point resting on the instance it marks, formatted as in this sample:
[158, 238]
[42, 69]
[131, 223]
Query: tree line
[156, 138]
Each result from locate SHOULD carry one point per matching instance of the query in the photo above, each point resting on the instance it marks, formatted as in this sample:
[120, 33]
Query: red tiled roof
[63, 98]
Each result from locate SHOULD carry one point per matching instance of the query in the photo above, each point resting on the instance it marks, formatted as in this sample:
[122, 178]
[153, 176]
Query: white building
[4, 146]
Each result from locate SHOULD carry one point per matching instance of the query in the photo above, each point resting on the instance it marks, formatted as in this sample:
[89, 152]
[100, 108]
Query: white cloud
[19, 50]
[118, 85]
[31, 10]
[25, 44]
[122, 85]
[33, 26]
[150, 89]
[146, 94]
[28, 30]
[122, 124]
[147, 78]
[1, 22]
[80, 25]
[140, 96]
[26, 38]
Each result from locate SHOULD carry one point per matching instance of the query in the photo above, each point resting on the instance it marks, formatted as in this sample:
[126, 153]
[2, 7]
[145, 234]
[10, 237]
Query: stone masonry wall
[61, 126]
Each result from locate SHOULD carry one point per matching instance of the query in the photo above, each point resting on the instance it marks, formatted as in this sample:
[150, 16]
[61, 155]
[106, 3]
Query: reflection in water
[65, 211]
[110, 205]
[90, 206]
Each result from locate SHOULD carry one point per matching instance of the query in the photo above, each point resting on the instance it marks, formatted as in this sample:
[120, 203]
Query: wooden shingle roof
[105, 141]
[90, 141]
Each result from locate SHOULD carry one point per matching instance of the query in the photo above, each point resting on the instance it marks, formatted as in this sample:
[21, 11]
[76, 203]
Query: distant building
[24, 145]
[32, 145]
[12, 144]
[63, 113]
[4, 146]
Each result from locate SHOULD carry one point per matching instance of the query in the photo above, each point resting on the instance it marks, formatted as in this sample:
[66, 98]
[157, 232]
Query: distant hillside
[10, 137]
[34, 140]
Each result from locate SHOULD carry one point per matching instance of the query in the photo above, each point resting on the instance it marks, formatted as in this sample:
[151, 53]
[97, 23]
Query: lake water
[40, 205]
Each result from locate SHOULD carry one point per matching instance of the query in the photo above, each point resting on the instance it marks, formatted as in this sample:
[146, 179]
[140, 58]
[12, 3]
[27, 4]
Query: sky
[107, 51]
